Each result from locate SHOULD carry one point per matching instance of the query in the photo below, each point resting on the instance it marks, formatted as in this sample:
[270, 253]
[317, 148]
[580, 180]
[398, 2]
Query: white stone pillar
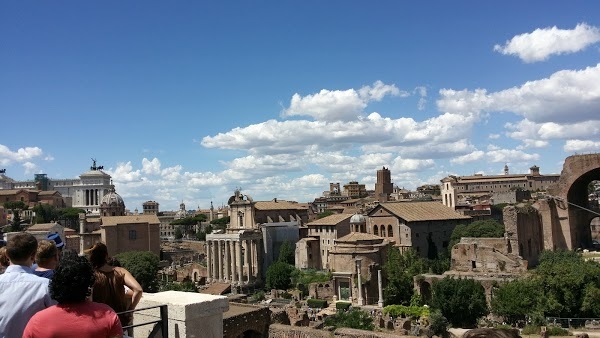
[220, 261]
[240, 266]
[233, 260]
[380, 285]
[361, 301]
[215, 257]
[249, 258]
[226, 259]
[208, 262]
[257, 249]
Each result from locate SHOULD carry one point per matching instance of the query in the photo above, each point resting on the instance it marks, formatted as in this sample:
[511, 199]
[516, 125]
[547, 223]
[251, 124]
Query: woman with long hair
[109, 287]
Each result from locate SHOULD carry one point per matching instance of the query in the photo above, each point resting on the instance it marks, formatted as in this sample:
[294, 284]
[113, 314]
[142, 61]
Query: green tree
[486, 228]
[16, 207]
[186, 286]
[143, 265]
[287, 253]
[279, 276]
[590, 306]
[462, 301]
[220, 222]
[69, 217]
[400, 268]
[45, 213]
[354, 319]
[517, 299]
[178, 233]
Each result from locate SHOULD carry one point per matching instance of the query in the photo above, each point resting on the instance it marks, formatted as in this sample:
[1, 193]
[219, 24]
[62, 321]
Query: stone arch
[376, 230]
[390, 231]
[568, 221]
[425, 291]
[252, 334]
[383, 234]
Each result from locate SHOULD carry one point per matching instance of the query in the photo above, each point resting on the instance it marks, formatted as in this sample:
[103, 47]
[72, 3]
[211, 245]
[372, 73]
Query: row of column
[233, 261]
[91, 197]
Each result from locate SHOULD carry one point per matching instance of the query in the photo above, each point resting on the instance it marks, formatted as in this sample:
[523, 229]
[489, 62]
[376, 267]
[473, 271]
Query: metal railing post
[164, 318]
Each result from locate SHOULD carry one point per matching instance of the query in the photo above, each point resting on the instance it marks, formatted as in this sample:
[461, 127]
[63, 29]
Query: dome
[358, 219]
[112, 198]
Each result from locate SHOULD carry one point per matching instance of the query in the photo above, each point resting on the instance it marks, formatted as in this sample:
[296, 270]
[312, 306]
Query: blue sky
[186, 101]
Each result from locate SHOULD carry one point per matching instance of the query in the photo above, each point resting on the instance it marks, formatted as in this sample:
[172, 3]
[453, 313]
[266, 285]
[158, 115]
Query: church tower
[384, 186]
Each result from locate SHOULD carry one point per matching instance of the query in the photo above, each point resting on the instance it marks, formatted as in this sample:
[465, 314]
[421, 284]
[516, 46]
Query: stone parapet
[190, 314]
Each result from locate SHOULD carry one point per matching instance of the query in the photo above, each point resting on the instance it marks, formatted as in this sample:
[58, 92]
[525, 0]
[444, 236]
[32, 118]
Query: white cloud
[531, 132]
[30, 167]
[151, 167]
[543, 42]
[581, 146]
[494, 136]
[566, 96]
[410, 165]
[8, 156]
[339, 105]
[510, 155]
[125, 173]
[477, 155]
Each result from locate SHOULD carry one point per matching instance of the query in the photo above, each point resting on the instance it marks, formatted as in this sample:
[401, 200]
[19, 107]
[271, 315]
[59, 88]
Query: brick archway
[567, 214]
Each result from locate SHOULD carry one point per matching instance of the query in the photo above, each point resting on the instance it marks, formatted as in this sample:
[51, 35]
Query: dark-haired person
[46, 258]
[22, 294]
[75, 315]
[109, 287]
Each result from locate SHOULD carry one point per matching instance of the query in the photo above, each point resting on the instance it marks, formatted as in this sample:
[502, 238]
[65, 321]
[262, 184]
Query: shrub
[342, 306]
[257, 297]
[316, 303]
[406, 311]
[354, 319]
[438, 324]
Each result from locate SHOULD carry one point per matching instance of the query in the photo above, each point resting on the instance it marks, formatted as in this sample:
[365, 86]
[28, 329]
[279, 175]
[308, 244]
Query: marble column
[208, 263]
[249, 258]
[233, 260]
[380, 286]
[220, 263]
[361, 301]
[240, 266]
[215, 275]
[257, 252]
[226, 259]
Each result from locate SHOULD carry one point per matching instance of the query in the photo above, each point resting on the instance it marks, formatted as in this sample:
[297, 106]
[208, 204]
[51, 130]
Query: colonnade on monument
[231, 259]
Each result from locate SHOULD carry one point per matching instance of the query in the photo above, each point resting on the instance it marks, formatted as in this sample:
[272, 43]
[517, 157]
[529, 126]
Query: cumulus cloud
[477, 155]
[30, 167]
[494, 136]
[544, 42]
[581, 146]
[339, 105]
[125, 173]
[510, 155]
[566, 96]
[151, 167]
[532, 132]
[8, 156]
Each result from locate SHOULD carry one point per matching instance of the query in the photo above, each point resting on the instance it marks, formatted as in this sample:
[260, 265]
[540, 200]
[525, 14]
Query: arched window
[390, 231]
[375, 230]
[383, 231]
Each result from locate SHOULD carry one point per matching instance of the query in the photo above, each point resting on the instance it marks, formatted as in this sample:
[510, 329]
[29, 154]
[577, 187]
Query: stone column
[361, 301]
[215, 261]
[240, 266]
[257, 252]
[220, 261]
[208, 262]
[226, 258]
[233, 258]
[249, 258]
[380, 285]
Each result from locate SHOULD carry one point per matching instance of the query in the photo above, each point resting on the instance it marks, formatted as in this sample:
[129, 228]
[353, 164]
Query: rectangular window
[132, 235]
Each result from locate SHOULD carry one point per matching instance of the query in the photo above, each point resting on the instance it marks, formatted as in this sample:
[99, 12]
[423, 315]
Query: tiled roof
[48, 192]
[13, 191]
[421, 211]
[358, 236]
[279, 205]
[114, 220]
[330, 220]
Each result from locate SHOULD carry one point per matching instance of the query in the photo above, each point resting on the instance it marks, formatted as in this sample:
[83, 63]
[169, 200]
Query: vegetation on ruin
[403, 311]
[279, 276]
[287, 253]
[201, 234]
[325, 214]
[460, 300]
[306, 277]
[487, 228]
[69, 217]
[316, 303]
[354, 319]
[400, 268]
[143, 265]
[563, 285]
[185, 286]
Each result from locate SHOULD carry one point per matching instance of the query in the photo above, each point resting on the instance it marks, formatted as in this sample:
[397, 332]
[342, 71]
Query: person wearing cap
[22, 294]
[46, 258]
[57, 241]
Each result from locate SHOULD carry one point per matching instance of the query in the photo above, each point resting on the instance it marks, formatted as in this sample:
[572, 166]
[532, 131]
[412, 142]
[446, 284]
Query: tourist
[4, 262]
[75, 315]
[22, 294]
[46, 258]
[109, 287]
[57, 240]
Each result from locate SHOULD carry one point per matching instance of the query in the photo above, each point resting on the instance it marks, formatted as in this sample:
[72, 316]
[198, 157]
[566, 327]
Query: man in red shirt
[75, 315]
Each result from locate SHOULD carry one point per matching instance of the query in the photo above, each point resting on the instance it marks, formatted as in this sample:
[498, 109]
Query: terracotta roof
[278, 205]
[48, 192]
[114, 220]
[217, 289]
[421, 211]
[330, 220]
[358, 236]
[41, 227]
[13, 191]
